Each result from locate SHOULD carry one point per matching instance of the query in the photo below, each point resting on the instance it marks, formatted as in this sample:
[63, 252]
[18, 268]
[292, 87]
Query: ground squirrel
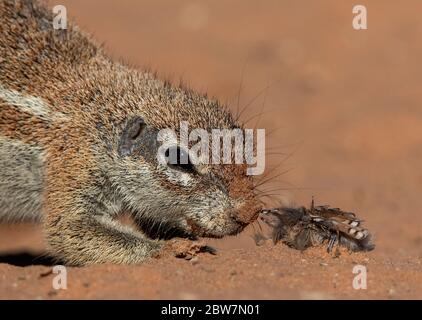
[78, 144]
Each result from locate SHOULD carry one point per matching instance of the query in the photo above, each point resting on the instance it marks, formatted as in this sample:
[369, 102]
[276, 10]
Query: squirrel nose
[246, 213]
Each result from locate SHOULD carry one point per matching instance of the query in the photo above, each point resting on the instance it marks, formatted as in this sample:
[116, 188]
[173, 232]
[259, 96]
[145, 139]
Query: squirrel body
[78, 143]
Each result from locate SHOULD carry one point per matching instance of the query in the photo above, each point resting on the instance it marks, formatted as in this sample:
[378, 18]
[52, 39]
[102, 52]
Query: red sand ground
[346, 107]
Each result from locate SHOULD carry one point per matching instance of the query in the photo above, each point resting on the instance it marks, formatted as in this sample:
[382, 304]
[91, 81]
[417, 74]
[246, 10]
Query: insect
[301, 228]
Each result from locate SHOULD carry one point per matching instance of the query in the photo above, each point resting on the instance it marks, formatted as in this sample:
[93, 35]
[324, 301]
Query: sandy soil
[345, 107]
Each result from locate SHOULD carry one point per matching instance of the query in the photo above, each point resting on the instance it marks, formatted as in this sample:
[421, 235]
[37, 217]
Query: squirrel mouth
[167, 231]
[199, 231]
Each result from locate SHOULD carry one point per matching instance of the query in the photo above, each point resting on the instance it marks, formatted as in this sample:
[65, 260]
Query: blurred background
[342, 108]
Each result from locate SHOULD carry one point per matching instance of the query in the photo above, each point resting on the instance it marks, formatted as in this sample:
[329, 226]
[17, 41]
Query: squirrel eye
[178, 159]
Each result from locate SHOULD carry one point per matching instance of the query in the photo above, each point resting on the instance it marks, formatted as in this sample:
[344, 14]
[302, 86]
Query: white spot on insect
[354, 223]
[352, 231]
[359, 235]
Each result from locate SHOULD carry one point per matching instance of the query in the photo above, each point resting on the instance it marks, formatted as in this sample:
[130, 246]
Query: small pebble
[52, 293]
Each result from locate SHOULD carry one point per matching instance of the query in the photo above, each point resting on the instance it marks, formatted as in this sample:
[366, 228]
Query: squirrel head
[185, 198]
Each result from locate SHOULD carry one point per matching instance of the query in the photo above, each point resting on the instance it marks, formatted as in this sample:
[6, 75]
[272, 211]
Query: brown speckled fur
[59, 158]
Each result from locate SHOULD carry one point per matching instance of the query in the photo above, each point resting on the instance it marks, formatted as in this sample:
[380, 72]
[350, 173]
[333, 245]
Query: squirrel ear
[130, 135]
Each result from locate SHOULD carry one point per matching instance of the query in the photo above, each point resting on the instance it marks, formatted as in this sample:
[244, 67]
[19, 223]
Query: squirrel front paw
[184, 248]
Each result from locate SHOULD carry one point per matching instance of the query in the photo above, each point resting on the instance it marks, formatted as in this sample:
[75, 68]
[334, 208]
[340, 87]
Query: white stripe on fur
[29, 104]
